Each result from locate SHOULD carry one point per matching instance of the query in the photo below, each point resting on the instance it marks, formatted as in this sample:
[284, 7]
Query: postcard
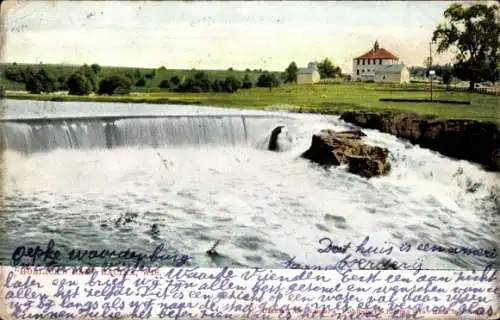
[249, 160]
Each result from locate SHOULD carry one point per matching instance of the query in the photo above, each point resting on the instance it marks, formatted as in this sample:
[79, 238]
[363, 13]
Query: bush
[247, 83]
[164, 84]
[79, 84]
[231, 84]
[33, 85]
[47, 80]
[42, 81]
[141, 82]
[115, 84]
[137, 74]
[446, 77]
[89, 73]
[175, 80]
[62, 83]
[14, 73]
[217, 86]
[96, 68]
[267, 80]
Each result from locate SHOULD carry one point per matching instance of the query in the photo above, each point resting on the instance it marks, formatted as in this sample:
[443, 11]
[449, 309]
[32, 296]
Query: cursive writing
[51, 256]
[191, 292]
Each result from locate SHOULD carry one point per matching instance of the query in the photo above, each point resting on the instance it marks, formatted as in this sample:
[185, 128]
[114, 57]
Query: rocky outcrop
[337, 148]
[273, 140]
[470, 140]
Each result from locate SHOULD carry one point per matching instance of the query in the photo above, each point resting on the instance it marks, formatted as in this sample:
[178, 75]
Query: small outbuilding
[308, 75]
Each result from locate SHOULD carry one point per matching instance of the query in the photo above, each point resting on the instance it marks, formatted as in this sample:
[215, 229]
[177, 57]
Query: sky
[216, 35]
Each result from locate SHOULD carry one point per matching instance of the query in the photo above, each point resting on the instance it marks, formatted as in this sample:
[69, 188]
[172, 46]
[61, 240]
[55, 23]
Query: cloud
[216, 35]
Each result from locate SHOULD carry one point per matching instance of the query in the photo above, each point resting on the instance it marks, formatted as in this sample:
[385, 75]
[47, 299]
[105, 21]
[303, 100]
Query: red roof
[380, 53]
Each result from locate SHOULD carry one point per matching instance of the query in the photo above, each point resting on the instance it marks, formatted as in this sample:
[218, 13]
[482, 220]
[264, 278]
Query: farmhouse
[379, 65]
[308, 75]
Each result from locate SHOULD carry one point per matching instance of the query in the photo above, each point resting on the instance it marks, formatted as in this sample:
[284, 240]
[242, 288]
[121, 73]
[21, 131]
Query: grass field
[327, 98]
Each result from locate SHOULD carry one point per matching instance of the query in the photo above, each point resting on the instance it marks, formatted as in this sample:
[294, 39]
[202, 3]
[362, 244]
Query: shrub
[33, 85]
[175, 80]
[141, 82]
[247, 83]
[115, 84]
[79, 84]
[164, 84]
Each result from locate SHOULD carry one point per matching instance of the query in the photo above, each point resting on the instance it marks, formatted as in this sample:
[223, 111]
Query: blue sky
[215, 35]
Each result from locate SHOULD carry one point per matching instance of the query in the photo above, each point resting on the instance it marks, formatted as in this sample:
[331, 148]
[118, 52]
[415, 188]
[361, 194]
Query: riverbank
[470, 140]
[332, 98]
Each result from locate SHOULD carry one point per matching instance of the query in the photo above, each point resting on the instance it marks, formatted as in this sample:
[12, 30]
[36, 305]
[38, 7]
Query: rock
[357, 132]
[337, 148]
[273, 141]
[470, 140]
[211, 252]
[367, 167]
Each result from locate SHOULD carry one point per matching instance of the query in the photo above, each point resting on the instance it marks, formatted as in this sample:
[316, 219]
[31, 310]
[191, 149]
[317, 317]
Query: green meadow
[331, 98]
[325, 98]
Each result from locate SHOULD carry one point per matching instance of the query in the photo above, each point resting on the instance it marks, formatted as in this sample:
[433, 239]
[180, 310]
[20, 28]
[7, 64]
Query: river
[112, 175]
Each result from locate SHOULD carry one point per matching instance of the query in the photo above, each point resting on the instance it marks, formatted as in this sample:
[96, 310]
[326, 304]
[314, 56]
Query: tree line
[89, 79]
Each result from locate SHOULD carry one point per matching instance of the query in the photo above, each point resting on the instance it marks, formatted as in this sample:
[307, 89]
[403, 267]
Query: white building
[308, 75]
[396, 73]
[379, 65]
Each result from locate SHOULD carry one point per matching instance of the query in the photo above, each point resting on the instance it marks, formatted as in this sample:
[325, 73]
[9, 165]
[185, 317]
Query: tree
[79, 84]
[14, 73]
[115, 84]
[268, 80]
[201, 80]
[151, 75]
[247, 83]
[164, 84]
[175, 80]
[62, 83]
[231, 84]
[376, 46]
[96, 68]
[326, 69]
[33, 85]
[141, 82]
[47, 80]
[446, 75]
[137, 74]
[474, 30]
[291, 73]
[89, 73]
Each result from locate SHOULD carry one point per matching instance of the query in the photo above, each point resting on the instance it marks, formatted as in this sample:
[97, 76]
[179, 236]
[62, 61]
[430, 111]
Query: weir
[31, 135]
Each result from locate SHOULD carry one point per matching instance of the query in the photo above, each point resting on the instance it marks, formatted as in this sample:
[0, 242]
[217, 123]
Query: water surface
[95, 183]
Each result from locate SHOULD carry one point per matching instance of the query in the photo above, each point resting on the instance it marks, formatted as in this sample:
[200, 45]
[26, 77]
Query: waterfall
[41, 135]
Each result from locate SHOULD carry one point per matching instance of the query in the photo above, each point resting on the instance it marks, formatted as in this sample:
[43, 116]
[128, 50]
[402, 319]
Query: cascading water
[200, 177]
[39, 135]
